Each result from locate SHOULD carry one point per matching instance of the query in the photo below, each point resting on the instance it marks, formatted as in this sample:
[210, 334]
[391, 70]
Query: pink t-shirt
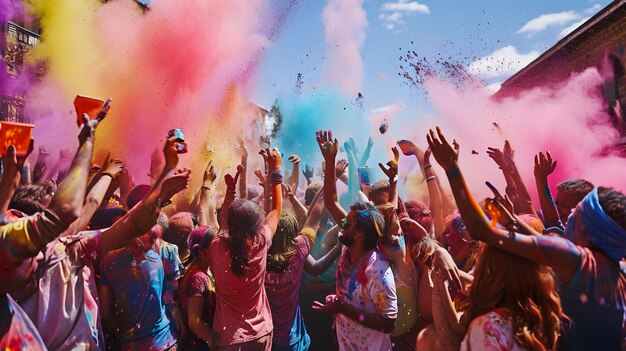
[242, 312]
[283, 292]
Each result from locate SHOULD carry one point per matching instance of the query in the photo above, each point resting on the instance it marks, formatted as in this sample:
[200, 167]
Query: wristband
[427, 166]
[431, 178]
[276, 176]
[204, 187]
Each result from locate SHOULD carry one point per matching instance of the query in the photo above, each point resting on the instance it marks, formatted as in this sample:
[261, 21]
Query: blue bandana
[601, 229]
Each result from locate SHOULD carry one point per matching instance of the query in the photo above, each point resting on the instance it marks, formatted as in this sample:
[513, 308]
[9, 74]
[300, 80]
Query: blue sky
[493, 38]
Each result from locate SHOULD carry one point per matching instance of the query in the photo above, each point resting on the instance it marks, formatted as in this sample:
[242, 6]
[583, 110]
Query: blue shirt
[137, 285]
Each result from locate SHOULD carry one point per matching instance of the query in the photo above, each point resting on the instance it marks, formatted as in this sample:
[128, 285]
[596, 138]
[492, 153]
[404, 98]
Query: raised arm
[231, 190]
[68, 200]
[275, 180]
[505, 161]
[328, 147]
[436, 204]
[243, 178]
[366, 153]
[204, 211]
[11, 165]
[143, 216]
[294, 176]
[96, 195]
[544, 166]
[392, 174]
[298, 208]
[558, 253]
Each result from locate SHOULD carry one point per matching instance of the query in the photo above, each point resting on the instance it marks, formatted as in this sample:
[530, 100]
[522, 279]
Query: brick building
[599, 42]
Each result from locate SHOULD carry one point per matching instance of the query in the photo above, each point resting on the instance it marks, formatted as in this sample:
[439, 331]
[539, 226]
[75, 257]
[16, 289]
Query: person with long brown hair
[243, 320]
[513, 303]
[286, 259]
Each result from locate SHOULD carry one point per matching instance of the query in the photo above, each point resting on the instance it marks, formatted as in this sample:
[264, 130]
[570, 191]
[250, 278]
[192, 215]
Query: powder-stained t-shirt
[17, 332]
[137, 285]
[242, 312]
[283, 293]
[25, 237]
[491, 331]
[368, 285]
[60, 296]
[197, 283]
[595, 300]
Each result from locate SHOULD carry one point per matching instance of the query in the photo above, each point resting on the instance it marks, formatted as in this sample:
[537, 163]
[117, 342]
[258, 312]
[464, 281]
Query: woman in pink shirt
[243, 320]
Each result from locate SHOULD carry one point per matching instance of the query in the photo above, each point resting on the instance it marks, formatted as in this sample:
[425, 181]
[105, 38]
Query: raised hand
[498, 157]
[260, 176]
[10, 166]
[446, 155]
[407, 147]
[288, 192]
[508, 152]
[500, 208]
[308, 173]
[392, 171]
[341, 167]
[209, 175]
[274, 160]
[175, 184]
[170, 153]
[231, 182]
[328, 145]
[295, 159]
[114, 168]
[544, 165]
[241, 147]
[89, 125]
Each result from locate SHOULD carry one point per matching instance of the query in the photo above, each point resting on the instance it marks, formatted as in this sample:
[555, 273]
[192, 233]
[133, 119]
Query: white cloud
[548, 20]
[502, 63]
[392, 13]
[406, 6]
[570, 28]
[593, 9]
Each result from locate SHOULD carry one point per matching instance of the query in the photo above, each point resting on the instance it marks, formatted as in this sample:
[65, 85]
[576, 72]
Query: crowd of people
[91, 261]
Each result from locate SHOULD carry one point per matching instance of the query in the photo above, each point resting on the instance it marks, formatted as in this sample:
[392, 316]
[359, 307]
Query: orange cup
[16, 134]
[90, 106]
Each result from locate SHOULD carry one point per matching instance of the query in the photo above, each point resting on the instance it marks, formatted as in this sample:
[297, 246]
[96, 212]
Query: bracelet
[204, 187]
[431, 178]
[276, 176]
[427, 166]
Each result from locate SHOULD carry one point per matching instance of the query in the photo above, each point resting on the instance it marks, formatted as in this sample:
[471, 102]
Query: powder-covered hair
[283, 246]
[371, 221]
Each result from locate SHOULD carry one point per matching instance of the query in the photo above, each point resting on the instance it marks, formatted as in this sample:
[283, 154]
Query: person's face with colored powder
[459, 242]
[349, 231]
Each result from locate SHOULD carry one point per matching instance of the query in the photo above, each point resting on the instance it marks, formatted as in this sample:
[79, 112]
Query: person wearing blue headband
[585, 262]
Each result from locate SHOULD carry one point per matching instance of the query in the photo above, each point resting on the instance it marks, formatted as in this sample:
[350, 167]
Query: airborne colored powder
[345, 22]
[177, 65]
[569, 120]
